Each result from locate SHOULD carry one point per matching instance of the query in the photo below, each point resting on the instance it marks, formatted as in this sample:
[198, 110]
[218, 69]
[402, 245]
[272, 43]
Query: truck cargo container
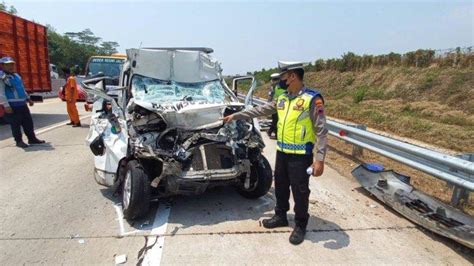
[27, 43]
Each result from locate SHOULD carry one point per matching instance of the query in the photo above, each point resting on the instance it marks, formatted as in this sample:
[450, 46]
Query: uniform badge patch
[300, 102]
[299, 105]
[281, 104]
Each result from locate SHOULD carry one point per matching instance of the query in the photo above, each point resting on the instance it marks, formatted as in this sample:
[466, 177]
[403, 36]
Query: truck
[98, 65]
[27, 43]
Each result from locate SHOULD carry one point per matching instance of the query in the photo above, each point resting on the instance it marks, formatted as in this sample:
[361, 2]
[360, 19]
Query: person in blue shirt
[14, 99]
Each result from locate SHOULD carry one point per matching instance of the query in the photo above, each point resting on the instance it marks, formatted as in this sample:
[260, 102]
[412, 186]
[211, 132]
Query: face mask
[283, 84]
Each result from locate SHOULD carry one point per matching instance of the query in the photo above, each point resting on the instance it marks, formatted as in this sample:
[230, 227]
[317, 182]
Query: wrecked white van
[160, 133]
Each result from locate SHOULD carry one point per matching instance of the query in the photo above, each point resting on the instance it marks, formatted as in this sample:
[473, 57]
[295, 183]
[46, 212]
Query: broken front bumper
[196, 182]
[104, 178]
[212, 164]
[216, 174]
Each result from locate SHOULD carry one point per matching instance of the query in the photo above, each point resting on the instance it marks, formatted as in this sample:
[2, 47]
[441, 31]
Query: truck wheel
[135, 191]
[262, 172]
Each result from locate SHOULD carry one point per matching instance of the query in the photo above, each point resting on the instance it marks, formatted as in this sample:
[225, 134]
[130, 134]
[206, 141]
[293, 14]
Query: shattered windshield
[160, 91]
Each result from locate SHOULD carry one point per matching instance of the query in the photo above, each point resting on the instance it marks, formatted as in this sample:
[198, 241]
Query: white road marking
[120, 219]
[160, 225]
[118, 210]
[48, 101]
[60, 124]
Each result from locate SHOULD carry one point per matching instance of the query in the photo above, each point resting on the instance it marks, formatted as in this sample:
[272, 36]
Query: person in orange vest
[71, 94]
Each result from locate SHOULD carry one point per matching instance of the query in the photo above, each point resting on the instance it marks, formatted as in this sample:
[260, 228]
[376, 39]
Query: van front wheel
[260, 171]
[135, 191]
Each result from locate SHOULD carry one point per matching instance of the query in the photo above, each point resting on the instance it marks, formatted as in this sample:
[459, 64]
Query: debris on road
[395, 190]
[81, 241]
[120, 259]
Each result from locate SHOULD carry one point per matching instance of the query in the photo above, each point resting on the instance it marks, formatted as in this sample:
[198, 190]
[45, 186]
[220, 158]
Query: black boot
[77, 125]
[21, 144]
[36, 141]
[274, 222]
[297, 236]
[70, 124]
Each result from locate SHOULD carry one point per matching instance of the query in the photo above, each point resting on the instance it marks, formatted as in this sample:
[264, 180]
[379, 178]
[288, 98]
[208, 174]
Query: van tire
[262, 172]
[135, 191]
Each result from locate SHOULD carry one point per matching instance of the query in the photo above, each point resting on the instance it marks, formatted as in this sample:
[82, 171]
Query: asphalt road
[53, 212]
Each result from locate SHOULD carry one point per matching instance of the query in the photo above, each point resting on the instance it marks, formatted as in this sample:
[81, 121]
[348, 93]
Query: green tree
[409, 59]
[319, 65]
[394, 59]
[349, 62]
[85, 37]
[108, 48]
[9, 9]
[75, 48]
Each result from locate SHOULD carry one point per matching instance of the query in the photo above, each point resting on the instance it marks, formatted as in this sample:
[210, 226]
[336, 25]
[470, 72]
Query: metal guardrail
[454, 170]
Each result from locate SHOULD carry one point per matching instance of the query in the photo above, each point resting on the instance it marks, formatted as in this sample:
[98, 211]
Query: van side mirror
[248, 82]
[95, 84]
[100, 85]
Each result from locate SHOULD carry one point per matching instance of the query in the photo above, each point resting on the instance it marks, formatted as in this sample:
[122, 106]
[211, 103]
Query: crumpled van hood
[188, 115]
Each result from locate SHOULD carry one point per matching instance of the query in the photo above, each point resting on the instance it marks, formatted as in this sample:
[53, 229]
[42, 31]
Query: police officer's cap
[6, 60]
[275, 76]
[285, 66]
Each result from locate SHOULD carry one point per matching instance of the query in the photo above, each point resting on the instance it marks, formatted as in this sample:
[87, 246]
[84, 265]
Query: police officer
[14, 99]
[275, 92]
[301, 128]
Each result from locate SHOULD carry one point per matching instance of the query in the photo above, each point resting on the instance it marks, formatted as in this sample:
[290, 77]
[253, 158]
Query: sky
[251, 35]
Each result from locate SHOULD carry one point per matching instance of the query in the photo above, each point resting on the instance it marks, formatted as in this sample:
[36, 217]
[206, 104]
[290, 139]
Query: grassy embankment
[433, 105]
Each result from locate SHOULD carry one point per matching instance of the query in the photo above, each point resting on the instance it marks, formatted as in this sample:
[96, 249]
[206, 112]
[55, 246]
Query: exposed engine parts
[224, 151]
[150, 137]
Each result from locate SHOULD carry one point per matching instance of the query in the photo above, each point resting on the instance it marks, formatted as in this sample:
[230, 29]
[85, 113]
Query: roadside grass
[359, 94]
[434, 105]
[429, 80]
[457, 81]
[453, 131]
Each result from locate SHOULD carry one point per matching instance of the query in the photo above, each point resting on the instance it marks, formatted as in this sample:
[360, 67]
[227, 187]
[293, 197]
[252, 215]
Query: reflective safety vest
[14, 89]
[295, 128]
[277, 91]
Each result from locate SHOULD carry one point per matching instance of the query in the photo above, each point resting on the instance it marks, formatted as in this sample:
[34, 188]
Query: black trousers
[273, 126]
[290, 171]
[21, 117]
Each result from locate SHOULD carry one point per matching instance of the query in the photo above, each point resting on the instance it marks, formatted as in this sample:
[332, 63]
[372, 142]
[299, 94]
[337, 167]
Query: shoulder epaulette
[312, 92]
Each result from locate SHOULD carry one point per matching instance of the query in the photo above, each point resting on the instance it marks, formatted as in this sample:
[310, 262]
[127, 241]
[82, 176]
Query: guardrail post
[461, 194]
[356, 150]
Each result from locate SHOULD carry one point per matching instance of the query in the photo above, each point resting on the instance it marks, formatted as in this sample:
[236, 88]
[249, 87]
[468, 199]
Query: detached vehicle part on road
[160, 133]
